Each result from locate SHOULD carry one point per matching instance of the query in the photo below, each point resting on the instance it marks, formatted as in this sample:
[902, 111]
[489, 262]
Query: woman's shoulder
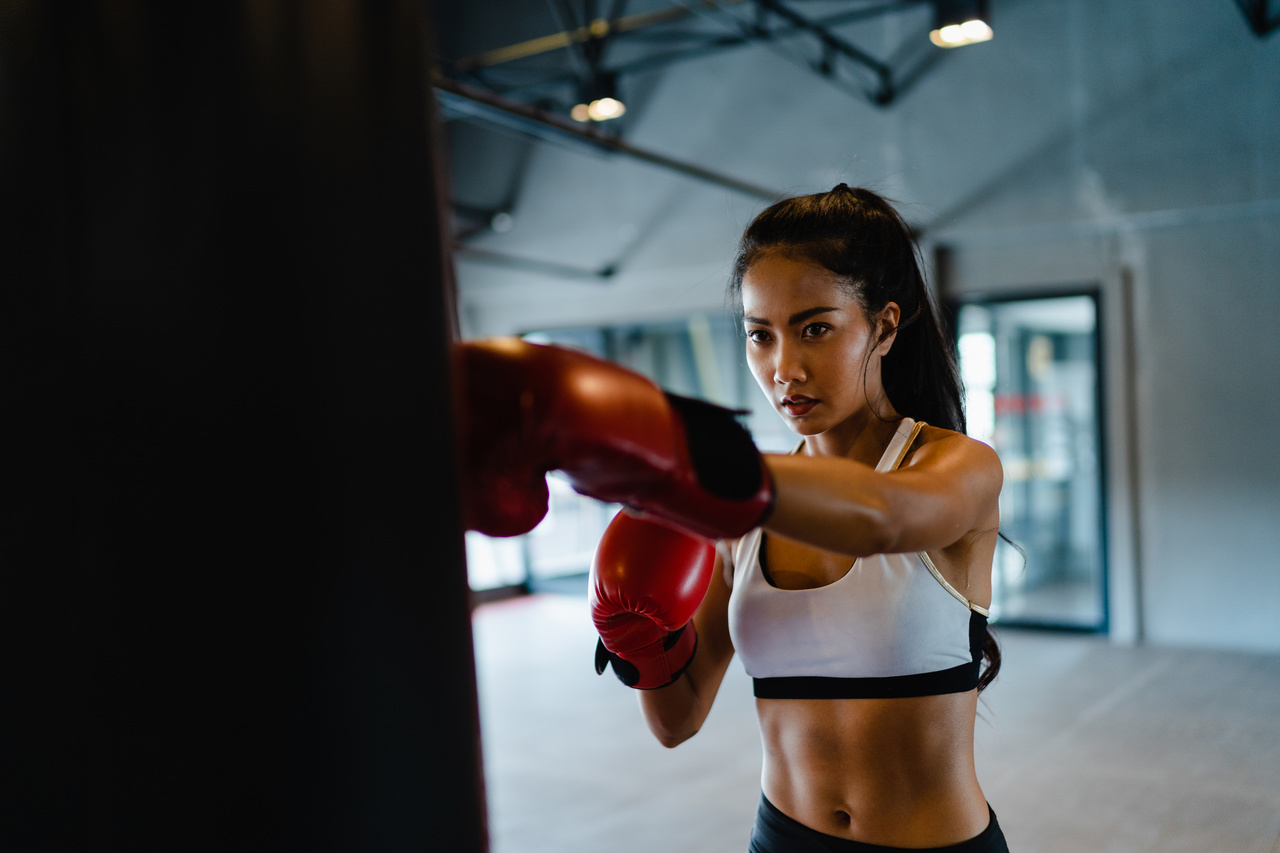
[940, 446]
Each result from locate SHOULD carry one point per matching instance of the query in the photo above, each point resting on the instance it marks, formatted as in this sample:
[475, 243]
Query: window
[1031, 373]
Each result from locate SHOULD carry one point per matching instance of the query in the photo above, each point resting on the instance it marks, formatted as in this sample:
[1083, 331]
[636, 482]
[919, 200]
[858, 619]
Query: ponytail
[991, 657]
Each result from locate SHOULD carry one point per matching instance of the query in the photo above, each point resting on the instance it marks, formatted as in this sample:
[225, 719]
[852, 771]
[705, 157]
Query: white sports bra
[891, 626]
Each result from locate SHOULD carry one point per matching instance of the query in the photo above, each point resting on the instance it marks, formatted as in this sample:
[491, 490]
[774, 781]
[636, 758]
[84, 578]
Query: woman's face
[808, 342]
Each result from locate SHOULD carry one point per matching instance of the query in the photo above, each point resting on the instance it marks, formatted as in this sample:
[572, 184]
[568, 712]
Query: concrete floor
[1081, 746]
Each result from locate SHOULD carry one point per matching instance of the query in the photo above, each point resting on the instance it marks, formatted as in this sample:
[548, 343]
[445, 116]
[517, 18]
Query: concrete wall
[1132, 146]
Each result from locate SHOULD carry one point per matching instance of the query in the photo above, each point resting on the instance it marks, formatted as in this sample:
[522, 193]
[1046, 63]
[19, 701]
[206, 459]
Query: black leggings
[774, 832]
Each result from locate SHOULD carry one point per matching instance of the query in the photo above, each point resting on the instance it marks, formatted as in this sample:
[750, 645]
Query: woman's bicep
[715, 646]
[949, 488]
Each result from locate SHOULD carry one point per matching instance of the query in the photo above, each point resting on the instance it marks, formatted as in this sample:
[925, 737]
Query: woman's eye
[757, 335]
[814, 329]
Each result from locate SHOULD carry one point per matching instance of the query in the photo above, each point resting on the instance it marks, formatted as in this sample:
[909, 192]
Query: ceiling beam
[459, 100]
[596, 29]
[771, 22]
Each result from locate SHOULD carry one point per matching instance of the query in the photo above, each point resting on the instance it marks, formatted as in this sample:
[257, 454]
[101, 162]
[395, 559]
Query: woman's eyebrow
[805, 315]
[799, 317]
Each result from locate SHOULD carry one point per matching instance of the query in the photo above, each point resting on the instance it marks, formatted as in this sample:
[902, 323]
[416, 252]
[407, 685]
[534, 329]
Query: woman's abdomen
[896, 772]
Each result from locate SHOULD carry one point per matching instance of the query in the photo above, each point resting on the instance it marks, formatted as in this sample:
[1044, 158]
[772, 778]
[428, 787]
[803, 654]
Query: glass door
[1032, 378]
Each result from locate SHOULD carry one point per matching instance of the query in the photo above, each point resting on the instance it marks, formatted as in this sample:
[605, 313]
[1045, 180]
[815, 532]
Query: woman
[859, 605]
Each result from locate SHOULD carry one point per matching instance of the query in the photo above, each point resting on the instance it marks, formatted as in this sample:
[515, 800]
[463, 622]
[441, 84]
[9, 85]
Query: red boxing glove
[525, 409]
[647, 580]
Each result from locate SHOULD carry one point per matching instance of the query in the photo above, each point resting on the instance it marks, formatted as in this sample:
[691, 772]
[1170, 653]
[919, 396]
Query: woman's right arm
[676, 712]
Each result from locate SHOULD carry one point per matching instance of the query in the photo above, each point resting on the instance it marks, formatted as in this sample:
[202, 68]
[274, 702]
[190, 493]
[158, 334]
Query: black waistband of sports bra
[957, 679]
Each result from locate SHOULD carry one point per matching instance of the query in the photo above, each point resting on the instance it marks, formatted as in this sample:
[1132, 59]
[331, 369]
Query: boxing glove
[647, 580]
[524, 409]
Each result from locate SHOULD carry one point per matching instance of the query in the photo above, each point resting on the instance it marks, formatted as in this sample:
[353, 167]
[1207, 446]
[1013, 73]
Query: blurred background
[1096, 191]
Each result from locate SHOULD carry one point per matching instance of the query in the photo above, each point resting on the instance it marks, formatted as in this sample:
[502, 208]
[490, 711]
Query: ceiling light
[601, 109]
[605, 109]
[960, 22]
[598, 99]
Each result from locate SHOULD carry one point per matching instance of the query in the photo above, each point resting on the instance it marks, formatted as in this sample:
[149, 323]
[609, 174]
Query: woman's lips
[798, 405]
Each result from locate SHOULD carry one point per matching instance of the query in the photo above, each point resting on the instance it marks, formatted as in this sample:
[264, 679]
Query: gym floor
[1081, 746]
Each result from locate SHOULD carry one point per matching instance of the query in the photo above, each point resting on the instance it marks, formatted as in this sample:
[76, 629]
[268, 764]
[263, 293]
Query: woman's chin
[803, 426]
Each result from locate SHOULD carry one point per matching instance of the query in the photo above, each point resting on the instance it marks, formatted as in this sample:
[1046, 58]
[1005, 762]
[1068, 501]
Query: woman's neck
[862, 437]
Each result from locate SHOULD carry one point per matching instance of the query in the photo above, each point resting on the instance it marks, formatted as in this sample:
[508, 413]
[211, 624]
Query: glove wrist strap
[653, 666]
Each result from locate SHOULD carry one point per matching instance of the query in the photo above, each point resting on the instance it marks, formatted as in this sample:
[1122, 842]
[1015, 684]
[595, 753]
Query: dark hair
[856, 234]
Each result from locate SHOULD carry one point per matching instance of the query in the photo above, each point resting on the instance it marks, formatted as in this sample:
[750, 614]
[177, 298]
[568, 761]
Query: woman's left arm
[949, 488]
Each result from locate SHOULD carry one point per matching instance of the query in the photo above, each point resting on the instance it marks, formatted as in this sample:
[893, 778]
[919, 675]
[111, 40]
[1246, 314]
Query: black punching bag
[234, 589]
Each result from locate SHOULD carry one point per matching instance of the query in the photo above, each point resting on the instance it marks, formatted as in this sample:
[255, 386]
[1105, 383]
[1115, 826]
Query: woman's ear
[887, 327]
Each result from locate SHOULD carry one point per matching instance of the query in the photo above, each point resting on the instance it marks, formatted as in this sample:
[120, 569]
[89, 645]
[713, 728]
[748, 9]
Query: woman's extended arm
[949, 487]
[676, 712]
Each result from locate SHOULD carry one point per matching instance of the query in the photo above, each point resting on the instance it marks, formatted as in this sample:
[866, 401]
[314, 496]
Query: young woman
[854, 574]
[859, 606]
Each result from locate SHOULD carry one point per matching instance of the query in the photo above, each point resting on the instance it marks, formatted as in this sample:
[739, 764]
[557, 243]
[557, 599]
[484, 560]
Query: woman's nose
[788, 369]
